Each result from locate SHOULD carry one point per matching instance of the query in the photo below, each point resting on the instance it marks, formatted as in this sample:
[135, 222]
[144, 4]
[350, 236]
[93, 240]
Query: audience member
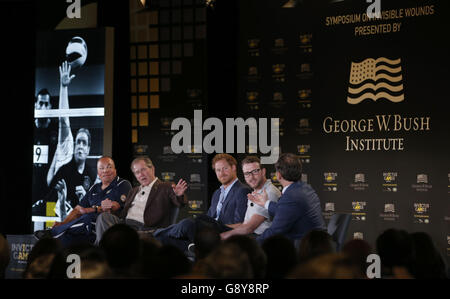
[93, 263]
[227, 261]
[255, 253]
[281, 256]
[315, 243]
[170, 262]
[396, 251]
[206, 240]
[357, 251]
[328, 266]
[40, 267]
[41, 257]
[427, 263]
[4, 255]
[122, 246]
[148, 254]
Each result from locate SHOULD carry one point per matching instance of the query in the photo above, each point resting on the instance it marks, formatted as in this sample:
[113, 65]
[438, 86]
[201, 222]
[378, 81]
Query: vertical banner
[382, 135]
[360, 90]
[72, 86]
[169, 81]
[276, 73]
[20, 246]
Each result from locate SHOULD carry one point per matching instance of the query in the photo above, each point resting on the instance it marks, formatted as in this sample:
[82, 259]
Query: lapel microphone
[143, 193]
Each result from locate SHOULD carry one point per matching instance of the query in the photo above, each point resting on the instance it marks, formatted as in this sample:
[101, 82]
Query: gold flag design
[371, 75]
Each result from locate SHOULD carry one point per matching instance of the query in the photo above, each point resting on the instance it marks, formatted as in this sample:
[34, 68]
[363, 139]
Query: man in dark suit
[228, 206]
[148, 205]
[298, 210]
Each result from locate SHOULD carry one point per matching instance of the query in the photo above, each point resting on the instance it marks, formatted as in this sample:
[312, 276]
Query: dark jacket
[296, 213]
[234, 206]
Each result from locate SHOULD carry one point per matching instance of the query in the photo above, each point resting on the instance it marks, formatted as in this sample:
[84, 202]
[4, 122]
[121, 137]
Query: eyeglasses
[253, 172]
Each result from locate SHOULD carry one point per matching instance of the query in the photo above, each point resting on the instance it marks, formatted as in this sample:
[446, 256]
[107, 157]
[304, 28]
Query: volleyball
[76, 52]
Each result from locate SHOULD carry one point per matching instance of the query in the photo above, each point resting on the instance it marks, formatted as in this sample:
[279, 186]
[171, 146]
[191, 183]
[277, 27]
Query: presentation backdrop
[169, 80]
[362, 103]
[69, 119]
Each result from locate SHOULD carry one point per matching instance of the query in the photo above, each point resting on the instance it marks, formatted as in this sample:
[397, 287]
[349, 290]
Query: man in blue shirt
[107, 196]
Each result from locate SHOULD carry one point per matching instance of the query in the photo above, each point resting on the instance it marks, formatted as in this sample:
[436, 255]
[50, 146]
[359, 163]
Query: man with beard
[257, 219]
[228, 206]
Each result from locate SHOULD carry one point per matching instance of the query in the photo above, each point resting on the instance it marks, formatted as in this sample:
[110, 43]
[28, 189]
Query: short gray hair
[146, 160]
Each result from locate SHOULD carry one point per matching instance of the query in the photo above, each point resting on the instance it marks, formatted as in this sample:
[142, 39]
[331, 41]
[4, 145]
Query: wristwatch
[96, 208]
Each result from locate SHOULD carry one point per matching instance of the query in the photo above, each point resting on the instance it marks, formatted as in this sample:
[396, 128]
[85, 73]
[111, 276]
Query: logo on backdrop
[195, 204]
[196, 182]
[423, 184]
[290, 4]
[389, 212]
[304, 98]
[371, 75]
[360, 182]
[448, 183]
[359, 208]
[448, 248]
[303, 153]
[330, 181]
[390, 184]
[304, 178]
[421, 213]
[167, 176]
[358, 236]
[329, 210]
[306, 42]
[253, 47]
[329, 207]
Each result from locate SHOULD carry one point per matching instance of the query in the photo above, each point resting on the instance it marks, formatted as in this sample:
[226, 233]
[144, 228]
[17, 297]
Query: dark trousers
[77, 230]
[183, 233]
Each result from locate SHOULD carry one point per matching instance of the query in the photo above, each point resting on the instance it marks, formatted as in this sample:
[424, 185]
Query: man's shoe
[191, 248]
[41, 234]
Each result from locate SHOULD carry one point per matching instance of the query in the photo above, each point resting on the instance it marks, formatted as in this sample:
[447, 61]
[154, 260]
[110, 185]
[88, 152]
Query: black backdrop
[315, 86]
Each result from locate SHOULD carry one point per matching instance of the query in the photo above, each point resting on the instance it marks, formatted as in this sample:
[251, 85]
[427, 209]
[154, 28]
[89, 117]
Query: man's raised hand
[64, 73]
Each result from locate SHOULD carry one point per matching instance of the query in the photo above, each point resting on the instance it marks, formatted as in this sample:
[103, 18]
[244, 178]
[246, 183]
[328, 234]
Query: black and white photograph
[69, 120]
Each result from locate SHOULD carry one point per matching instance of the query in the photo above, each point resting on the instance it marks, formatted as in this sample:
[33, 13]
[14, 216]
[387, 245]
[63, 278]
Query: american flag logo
[375, 79]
